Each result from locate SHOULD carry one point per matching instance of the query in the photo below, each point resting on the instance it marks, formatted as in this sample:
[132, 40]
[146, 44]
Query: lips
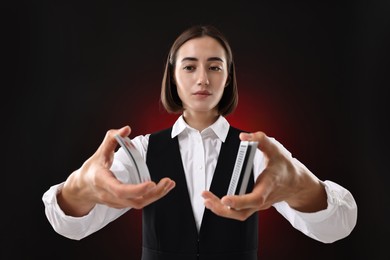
[202, 93]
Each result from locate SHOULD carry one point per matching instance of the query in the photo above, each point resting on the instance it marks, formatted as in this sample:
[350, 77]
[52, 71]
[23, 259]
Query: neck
[200, 121]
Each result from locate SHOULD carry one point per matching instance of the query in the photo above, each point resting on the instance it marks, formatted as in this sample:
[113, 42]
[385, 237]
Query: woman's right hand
[94, 183]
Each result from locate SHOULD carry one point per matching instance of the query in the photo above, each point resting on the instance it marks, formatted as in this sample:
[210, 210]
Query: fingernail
[227, 203]
[168, 186]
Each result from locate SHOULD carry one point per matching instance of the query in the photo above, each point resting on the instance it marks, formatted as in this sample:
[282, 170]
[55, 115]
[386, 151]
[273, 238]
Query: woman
[185, 210]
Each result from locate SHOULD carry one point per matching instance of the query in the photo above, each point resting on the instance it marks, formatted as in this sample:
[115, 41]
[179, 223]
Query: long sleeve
[329, 225]
[101, 215]
[77, 227]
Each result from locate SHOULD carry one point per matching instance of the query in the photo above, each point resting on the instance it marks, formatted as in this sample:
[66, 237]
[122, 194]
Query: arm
[92, 196]
[329, 225]
[295, 192]
[77, 227]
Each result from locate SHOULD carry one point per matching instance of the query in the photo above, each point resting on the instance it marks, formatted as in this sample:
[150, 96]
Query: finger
[259, 199]
[246, 201]
[264, 142]
[109, 143]
[162, 188]
[136, 190]
[214, 204]
[125, 191]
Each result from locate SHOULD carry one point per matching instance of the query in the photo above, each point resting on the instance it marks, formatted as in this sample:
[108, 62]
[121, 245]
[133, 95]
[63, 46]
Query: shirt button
[200, 167]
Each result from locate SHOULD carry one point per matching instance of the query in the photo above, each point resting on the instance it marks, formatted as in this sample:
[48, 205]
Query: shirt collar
[220, 127]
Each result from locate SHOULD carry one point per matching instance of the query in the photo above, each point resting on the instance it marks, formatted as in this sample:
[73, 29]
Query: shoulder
[236, 131]
[161, 133]
[141, 142]
[160, 138]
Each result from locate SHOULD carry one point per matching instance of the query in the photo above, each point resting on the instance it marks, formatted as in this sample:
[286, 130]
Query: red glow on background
[256, 111]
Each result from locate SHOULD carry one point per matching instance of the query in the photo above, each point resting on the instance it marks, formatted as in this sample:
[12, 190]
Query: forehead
[201, 48]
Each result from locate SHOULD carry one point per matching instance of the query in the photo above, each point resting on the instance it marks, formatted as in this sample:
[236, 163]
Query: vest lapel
[224, 169]
[179, 176]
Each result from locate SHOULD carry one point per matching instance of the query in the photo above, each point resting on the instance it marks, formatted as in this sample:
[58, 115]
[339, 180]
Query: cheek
[221, 80]
[221, 84]
[180, 80]
[181, 91]
[220, 93]
[184, 84]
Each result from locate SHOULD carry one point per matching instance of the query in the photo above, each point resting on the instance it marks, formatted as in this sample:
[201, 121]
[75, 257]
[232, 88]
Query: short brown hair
[169, 96]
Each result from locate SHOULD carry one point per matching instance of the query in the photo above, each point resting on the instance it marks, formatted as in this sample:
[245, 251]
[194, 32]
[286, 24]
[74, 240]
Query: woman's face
[200, 74]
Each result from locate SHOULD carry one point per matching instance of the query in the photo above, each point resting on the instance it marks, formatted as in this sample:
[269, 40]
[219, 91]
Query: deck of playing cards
[242, 168]
[142, 171]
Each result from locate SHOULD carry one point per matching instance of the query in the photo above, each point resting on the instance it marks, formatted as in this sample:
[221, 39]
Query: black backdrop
[313, 76]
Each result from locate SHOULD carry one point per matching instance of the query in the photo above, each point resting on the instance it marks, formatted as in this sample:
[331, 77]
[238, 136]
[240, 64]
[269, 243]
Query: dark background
[312, 75]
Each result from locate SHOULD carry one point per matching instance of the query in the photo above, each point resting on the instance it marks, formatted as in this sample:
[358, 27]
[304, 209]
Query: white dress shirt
[199, 152]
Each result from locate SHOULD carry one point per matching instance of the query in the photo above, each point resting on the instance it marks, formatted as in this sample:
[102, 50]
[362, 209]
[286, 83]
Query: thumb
[264, 142]
[109, 144]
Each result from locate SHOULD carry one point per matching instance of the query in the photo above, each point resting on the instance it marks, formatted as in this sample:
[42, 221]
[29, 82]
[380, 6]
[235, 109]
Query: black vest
[169, 229]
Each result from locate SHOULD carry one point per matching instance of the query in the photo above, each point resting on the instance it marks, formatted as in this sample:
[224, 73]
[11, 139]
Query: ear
[227, 81]
[173, 78]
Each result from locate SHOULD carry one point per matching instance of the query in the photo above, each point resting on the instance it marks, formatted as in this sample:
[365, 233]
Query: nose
[203, 79]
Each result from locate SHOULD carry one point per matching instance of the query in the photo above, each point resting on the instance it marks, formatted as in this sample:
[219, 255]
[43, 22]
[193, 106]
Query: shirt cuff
[50, 198]
[334, 194]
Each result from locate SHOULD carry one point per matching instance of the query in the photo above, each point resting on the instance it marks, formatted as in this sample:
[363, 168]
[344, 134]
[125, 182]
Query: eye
[189, 68]
[215, 68]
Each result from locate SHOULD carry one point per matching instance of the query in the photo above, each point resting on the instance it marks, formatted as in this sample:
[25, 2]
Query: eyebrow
[196, 59]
